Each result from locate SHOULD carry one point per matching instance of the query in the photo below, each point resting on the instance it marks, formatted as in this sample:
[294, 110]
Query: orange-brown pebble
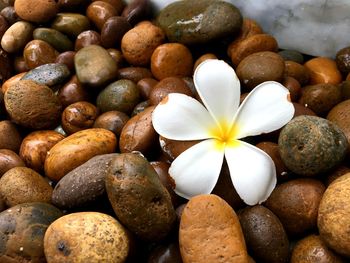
[203, 58]
[210, 232]
[8, 160]
[323, 70]
[14, 79]
[252, 44]
[38, 52]
[249, 27]
[37, 11]
[297, 71]
[138, 44]
[171, 59]
[166, 86]
[99, 12]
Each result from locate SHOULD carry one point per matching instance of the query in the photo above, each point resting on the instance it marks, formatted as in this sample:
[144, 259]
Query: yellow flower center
[224, 135]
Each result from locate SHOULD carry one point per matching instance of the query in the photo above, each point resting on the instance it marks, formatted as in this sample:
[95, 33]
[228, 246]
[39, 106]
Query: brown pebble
[334, 216]
[137, 11]
[293, 86]
[302, 110]
[20, 64]
[312, 249]
[139, 43]
[171, 60]
[66, 58]
[252, 44]
[23, 185]
[336, 173]
[173, 148]
[37, 11]
[117, 56]
[138, 133]
[11, 81]
[166, 86]
[296, 203]
[10, 137]
[78, 116]
[113, 31]
[249, 27]
[112, 120]
[134, 73]
[210, 232]
[35, 146]
[38, 52]
[8, 160]
[145, 86]
[99, 11]
[72, 92]
[4, 25]
[342, 58]
[323, 70]
[259, 67]
[320, 98]
[87, 38]
[203, 58]
[297, 71]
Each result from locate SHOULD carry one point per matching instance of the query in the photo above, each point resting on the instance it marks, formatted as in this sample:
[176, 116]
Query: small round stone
[334, 216]
[87, 38]
[292, 55]
[9, 159]
[342, 59]
[10, 138]
[113, 31]
[311, 145]
[323, 70]
[171, 60]
[71, 24]
[38, 52]
[101, 238]
[37, 11]
[99, 11]
[112, 120]
[297, 71]
[17, 36]
[73, 91]
[54, 37]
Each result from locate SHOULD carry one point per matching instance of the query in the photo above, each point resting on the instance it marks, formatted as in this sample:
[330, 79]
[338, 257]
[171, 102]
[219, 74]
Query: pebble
[311, 145]
[5, 66]
[87, 38]
[145, 86]
[38, 52]
[321, 98]
[199, 21]
[312, 249]
[9, 159]
[292, 55]
[37, 11]
[210, 232]
[66, 58]
[266, 239]
[48, 74]
[112, 120]
[139, 43]
[32, 105]
[294, 88]
[138, 198]
[113, 31]
[334, 216]
[259, 67]
[297, 71]
[101, 238]
[134, 74]
[10, 138]
[83, 185]
[11, 81]
[23, 185]
[17, 36]
[171, 60]
[54, 37]
[121, 95]
[342, 58]
[98, 13]
[22, 229]
[169, 253]
[323, 70]
[136, 11]
[73, 91]
[296, 203]
[94, 66]
[35, 145]
[71, 24]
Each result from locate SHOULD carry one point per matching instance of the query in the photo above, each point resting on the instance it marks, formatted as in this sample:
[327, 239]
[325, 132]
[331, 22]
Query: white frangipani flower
[220, 125]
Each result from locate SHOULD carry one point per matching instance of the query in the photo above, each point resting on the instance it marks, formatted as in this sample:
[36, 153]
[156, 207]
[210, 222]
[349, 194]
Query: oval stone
[71, 24]
[210, 232]
[311, 145]
[138, 198]
[22, 229]
[48, 74]
[334, 215]
[54, 37]
[94, 66]
[17, 36]
[199, 21]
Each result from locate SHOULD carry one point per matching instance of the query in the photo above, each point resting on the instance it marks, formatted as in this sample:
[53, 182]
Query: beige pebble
[17, 36]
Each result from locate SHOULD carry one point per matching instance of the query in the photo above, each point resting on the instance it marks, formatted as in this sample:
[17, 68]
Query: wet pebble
[311, 145]
[138, 198]
[10, 138]
[200, 21]
[71, 24]
[9, 159]
[99, 11]
[342, 58]
[87, 38]
[54, 37]
[323, 70]
[73, 91]
[113, 31]
[38, 52]
[210, 232]
[112, 120]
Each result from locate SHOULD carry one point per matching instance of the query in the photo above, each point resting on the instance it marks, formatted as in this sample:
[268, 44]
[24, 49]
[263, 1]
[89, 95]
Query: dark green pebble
[54, 37]
[71, 24]
[292, 55]
[311, 145]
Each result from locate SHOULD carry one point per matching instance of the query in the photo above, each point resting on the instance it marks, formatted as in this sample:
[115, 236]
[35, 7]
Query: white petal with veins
[219, 88]
[266, 108]
[197, 169]
[180, 117]
[252, 172]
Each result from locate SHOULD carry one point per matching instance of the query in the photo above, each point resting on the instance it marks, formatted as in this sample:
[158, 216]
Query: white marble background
[314, 27]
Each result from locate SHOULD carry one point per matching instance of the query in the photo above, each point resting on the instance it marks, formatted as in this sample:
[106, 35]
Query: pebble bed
[84, 175]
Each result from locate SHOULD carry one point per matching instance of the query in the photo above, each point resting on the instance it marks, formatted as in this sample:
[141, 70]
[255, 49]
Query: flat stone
[48, 74]
[199, 21]
[313, 27]
[210, 232]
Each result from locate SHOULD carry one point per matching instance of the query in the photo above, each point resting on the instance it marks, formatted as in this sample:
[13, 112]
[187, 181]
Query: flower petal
[266, 108]
[180, 117]
[219, 88]
[197, 169]
[252, 171]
